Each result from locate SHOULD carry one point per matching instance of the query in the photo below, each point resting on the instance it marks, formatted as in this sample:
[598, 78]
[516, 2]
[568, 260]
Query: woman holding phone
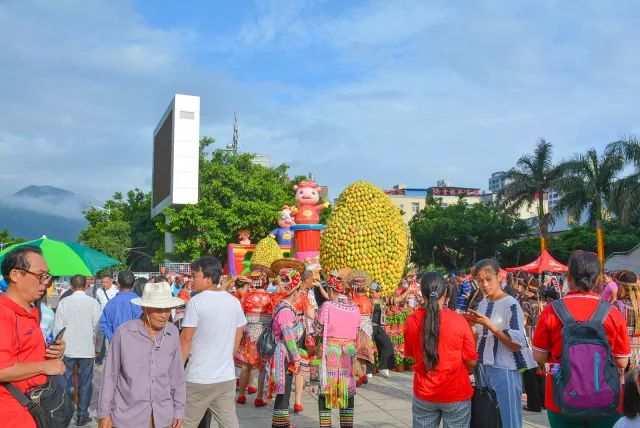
[503, 348]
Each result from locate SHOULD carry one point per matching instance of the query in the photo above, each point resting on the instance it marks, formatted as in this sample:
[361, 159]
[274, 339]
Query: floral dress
[364, 340]
[258, 309]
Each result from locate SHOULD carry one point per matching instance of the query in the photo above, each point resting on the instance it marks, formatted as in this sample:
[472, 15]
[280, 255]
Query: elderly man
[25, 362]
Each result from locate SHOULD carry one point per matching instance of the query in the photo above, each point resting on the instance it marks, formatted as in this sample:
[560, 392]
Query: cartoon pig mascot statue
[307, 198]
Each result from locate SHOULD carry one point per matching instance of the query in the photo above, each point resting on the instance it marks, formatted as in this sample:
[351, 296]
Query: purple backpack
[587, 384]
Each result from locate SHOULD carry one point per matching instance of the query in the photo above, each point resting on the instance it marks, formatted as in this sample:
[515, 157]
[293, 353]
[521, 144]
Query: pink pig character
[307, 198]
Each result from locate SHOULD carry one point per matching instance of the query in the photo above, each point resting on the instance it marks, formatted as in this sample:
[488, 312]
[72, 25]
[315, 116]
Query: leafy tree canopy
[6, 240]
[124, 230]
[457, 235]
[617, 238]
[234, 194]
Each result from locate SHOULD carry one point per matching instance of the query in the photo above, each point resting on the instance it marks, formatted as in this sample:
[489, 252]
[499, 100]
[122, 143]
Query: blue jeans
[427, 414]
[508, 387]
[85, 382]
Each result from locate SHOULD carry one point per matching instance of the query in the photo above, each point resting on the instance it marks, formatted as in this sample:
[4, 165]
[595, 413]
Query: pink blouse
[344, 319]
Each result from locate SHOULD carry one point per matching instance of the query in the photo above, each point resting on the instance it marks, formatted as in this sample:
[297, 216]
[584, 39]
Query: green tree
[457, 235]
[626, 192]
[588, 183]
[534, 175]
[234, 194]
[619, 239]
[124, 230]
[587, 186]
[6, 240]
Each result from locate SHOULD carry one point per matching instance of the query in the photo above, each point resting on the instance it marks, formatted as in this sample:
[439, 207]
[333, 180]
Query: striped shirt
[507, 315]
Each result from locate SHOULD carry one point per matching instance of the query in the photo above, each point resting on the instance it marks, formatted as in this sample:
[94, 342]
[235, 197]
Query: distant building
[263, 160]
[497, 181]
[410, 200]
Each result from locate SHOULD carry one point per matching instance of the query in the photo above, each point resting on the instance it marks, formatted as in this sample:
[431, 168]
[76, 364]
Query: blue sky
[386, 91]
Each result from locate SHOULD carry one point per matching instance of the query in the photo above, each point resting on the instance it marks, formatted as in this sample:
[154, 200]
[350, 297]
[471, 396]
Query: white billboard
[176, 142]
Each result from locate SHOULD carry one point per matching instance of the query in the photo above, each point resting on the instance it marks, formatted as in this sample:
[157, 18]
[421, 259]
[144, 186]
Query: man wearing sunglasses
[25, 362]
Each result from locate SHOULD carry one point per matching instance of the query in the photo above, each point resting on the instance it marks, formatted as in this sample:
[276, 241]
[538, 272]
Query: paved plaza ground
[383, 403]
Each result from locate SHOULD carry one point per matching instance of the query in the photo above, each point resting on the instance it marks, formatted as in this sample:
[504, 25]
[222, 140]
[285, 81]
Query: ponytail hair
[433, 287]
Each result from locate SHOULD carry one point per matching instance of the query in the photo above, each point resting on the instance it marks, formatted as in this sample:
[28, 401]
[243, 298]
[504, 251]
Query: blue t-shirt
[463, 300]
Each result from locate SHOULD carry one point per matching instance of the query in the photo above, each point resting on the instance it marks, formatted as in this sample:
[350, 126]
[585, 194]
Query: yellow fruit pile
[365, 231]
[266, 252]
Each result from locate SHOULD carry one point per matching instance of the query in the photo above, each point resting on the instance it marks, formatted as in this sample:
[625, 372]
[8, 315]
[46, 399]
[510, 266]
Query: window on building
[415, 206]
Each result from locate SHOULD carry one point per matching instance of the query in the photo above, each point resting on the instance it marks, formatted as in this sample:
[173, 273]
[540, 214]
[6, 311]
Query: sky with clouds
[386, 91]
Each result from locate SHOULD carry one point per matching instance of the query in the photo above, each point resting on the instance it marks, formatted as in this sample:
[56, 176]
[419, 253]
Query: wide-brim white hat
[157, 295]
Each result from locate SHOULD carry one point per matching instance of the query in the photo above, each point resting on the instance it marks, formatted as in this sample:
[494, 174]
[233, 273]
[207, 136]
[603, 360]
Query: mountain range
[43, 210]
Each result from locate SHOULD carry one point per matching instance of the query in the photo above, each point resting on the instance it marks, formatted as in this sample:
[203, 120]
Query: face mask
[271, 289]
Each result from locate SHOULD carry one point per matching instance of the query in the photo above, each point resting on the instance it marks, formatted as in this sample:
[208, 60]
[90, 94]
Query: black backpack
[267, 341]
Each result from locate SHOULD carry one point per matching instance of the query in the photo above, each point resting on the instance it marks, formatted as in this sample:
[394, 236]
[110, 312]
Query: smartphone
[59, 336]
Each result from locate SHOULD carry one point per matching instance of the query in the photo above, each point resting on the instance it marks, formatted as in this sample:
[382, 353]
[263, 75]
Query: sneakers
[297, 408]
[384, 373]
[370, 375]
[241, 399]
[251, 390]
[259, 403]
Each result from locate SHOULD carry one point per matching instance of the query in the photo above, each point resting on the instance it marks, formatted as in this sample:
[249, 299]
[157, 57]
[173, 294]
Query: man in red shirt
[24, 360]
[581, 302]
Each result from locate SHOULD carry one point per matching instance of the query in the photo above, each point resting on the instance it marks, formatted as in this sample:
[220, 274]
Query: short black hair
[138, 286]
[105, 275]
[631, 400]
[126, 280]
[78, 281]
[487, 264]
[17, 259]
[209, 266]
[584, 268]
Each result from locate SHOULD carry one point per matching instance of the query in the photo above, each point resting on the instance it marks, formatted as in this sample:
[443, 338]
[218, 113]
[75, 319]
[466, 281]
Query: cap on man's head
[375, 286]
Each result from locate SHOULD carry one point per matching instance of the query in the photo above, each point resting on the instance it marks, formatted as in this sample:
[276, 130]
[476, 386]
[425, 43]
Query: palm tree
[626, 192]
[588, 187]
[533, 176]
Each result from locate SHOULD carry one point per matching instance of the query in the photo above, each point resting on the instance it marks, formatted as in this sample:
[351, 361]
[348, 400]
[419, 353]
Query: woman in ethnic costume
[258, 309]
[338, 321]
[360, 281]
[287, 330]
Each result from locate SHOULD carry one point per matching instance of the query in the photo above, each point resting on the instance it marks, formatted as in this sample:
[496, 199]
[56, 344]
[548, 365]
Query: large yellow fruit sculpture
[365, 231]
[266, 252]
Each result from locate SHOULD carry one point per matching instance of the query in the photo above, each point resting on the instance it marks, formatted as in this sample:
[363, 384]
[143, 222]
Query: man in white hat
[145, 361]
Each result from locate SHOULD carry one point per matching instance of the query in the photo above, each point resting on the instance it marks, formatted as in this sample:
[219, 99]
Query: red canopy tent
[544, 263]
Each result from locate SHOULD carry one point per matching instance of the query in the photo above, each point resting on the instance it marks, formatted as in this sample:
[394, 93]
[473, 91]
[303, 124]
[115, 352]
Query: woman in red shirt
[443, 358]
[581, 302]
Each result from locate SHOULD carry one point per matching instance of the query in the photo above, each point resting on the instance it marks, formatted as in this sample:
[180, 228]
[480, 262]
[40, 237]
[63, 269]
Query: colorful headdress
[358, 279]
[289, 280]
[280, 264]
[335, 280]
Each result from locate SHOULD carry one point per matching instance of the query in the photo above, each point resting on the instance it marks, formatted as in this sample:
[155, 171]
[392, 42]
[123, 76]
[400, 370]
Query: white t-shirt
[104, 296]
[625, 422]
[216, 315]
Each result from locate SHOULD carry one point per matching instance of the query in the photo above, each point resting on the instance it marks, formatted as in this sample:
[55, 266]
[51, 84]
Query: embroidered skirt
[248, 350]
[337, 383]
[365, 347]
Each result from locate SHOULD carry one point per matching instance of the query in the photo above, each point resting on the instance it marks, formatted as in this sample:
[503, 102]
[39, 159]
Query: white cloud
[406, 91]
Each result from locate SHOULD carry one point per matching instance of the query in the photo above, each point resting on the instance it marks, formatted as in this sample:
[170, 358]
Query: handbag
[267, 341]
[485, 412]
[47, 404]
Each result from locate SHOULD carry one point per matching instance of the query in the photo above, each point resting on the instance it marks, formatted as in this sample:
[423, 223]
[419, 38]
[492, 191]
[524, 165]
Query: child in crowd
[631, 401]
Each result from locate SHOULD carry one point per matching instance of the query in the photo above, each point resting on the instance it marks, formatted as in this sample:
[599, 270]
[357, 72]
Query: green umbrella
[67, 258]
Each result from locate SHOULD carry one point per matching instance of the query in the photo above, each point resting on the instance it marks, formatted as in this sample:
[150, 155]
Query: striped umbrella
[67, 258]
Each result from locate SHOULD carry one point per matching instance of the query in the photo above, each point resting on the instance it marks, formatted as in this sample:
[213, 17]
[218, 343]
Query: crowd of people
[186, 350]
